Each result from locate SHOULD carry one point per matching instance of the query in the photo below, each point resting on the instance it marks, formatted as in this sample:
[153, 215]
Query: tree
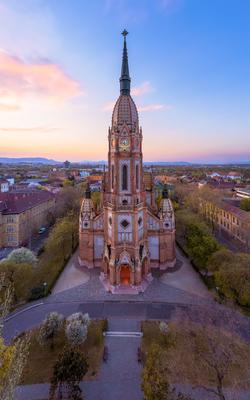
[69, 370]
[76, 332]
[232, 274]
[19, 276]
[50, 327]
[13, 357]
[245, 204]
[218, 258]
[68, 200]
[163, 326]
[213, 351]
[155, 384]
[22, 256]
[84, 318]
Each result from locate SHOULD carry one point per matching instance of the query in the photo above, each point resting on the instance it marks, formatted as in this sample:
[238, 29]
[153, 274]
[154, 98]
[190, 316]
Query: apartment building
[22, 214]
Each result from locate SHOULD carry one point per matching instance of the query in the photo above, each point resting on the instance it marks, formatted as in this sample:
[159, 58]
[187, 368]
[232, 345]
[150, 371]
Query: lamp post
[45, 287]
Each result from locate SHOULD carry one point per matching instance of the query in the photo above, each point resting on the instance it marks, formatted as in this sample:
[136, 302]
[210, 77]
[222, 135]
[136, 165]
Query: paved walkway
[119, 378]
[186, 278]
[72, 275]
[184, 285]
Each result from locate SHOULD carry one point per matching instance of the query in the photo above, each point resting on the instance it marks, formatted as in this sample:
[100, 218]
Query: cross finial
[124, 33]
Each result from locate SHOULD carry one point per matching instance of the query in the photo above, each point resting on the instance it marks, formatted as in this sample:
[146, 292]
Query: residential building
[229, 220]
[4, 185]
[22, 213]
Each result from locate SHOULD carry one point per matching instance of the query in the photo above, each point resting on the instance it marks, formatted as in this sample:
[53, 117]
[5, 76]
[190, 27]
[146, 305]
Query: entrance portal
[125, 275]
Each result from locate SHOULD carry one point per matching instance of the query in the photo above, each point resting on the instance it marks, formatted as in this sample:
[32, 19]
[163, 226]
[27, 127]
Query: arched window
[124, 177]
[137, 176]
[112, 176]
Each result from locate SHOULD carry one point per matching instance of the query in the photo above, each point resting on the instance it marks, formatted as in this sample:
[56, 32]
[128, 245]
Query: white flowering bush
[163, 328]
[50, 327]
[84, 318]
[22, 256]
[77, 328]
[76, 332]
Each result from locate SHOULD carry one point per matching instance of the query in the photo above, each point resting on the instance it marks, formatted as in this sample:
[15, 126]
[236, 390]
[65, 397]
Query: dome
[125, 111]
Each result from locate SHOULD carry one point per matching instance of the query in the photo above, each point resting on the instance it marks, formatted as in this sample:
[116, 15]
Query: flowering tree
[22, 256]
[163, 326]
[77, 328]
[50, 327]
[12, 358]
[84, 318]
[76, 332]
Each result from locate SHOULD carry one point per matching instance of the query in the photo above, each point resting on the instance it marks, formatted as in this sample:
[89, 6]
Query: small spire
[125, 78]
[165, 191]
[87, 192]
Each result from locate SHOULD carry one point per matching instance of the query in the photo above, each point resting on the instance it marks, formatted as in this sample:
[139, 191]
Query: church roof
[125, 111]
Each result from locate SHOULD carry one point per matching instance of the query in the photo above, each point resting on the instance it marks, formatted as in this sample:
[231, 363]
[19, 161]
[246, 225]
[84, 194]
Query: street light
[45, 286]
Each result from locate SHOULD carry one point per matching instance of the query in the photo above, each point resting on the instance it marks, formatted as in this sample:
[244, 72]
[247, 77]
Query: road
[31, 316]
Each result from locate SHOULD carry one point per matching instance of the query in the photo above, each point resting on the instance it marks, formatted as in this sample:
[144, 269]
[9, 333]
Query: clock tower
[128, 235]
[124, 196]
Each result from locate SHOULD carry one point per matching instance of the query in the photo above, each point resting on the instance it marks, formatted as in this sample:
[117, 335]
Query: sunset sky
[189, 63]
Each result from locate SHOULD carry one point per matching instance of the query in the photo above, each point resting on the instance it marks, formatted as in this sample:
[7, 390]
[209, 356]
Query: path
[119, 377]
[186, 278]
[72, 275]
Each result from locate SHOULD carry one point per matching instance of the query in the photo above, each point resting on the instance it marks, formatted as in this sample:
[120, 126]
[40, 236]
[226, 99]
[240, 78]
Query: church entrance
[125, 275]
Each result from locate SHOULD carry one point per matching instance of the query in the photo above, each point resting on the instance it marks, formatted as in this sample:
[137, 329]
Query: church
[129, 235]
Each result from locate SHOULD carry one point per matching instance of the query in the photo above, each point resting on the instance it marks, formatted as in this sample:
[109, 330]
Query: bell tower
[124, 199]
[127, 235]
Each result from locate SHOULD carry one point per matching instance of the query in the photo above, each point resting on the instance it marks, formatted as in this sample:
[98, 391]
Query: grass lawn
[181, 362]
[39, 367]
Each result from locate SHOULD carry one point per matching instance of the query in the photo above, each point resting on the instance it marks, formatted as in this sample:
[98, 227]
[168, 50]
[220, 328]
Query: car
[41, 230]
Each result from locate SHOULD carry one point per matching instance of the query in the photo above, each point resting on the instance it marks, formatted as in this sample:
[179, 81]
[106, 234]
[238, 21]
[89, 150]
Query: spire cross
[124, 33]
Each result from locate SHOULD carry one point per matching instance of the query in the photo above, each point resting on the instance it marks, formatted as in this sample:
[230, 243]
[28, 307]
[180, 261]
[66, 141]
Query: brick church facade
[130, 235]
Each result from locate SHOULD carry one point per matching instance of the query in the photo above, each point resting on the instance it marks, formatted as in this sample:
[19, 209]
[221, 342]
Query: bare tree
[213, 350]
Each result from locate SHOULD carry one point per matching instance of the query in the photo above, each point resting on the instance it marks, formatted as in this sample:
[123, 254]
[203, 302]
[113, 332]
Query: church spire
[125, 78]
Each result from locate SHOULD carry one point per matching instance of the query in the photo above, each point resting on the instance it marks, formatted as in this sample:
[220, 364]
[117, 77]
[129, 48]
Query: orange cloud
[19, 78]
[145, 87]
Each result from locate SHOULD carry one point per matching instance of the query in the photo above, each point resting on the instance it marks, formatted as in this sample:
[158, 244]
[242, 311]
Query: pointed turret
[125, 78]
[165, 191]
[87, 192]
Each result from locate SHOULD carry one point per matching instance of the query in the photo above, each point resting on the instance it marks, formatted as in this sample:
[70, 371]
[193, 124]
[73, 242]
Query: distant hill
[28, 160]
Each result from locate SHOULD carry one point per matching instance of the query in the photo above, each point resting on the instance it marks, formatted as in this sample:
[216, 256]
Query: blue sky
[189, 64]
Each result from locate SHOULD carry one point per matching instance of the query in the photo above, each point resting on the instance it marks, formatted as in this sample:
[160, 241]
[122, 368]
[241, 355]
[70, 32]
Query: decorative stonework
[127, 237]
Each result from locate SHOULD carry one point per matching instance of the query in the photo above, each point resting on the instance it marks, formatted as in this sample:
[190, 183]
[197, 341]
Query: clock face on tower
[124, 144]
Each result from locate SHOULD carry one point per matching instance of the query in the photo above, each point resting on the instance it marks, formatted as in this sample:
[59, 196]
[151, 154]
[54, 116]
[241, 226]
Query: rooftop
[18, 202]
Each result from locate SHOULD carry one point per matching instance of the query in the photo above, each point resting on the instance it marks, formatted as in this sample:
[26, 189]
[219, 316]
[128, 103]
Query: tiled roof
[125, 111]
[17, 202]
